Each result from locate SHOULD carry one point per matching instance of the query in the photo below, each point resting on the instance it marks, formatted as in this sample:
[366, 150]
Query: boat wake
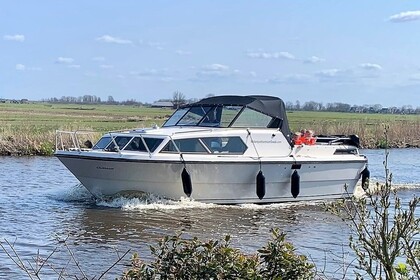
[150, 201]
[76, 193]
[359, 192]
[142, 201]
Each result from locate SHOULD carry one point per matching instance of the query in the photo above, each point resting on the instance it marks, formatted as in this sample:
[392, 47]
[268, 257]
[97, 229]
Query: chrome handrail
[73, 136]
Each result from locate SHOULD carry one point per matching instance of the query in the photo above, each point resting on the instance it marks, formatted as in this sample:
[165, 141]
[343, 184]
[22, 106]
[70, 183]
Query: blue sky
[357, 52]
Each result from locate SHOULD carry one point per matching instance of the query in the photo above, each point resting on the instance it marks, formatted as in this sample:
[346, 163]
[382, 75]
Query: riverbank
[29, 129]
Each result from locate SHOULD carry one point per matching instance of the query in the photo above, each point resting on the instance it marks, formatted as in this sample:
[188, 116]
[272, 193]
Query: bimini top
[253, 111]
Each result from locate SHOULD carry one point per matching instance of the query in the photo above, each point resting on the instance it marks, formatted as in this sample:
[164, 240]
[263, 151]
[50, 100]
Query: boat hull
[217, 182]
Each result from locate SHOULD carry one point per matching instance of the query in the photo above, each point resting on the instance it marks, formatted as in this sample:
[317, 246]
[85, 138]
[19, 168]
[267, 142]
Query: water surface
[42, 204]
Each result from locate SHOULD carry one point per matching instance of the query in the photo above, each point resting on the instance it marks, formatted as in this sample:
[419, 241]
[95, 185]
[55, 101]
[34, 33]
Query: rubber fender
[365, 178]
[186, 182]
[295, 184]
[260, 185]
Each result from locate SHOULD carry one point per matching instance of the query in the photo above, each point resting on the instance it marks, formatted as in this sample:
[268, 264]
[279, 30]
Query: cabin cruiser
[222, 149]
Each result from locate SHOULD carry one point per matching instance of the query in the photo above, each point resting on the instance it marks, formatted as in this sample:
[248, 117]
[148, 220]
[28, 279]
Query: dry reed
[401, 134]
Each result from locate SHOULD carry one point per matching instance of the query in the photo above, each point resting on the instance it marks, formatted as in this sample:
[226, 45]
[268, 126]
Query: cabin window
[252, 118]
[225, 145]
[231, 145]
[102, 143]
[213, 117]
[174, 119]
[137, 144]
[194, 115]
[228, 114]
[121, 142]
[192, 145]
[152, 143]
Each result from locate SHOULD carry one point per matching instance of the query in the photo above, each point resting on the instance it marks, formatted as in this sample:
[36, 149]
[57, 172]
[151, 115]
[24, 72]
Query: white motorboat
[223, 149]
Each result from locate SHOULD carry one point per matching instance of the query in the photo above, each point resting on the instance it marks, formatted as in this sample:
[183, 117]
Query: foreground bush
[175, 258]
[384, 234]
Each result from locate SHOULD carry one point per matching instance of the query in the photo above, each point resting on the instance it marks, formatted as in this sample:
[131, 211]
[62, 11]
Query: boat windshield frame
[219, 116]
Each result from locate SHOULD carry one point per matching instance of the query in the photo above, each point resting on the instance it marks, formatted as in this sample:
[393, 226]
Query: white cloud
[90, 74]
[20, 67]
[64, 60]
[181, 52]
[314, 59]
[291, 79]
[107, 66]
[328, 73]
[115, 40]
[335, 75]
[16, 37]
[371, 66]
[214, 70]
[156, 45]
[151, 74]
[415, 77]
[215, 67]
[405, 16]
[297, 78]
[273, 55]
[98, 58]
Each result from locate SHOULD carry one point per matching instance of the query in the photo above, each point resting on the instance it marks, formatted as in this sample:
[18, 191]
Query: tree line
[178, 99]
[344, 107]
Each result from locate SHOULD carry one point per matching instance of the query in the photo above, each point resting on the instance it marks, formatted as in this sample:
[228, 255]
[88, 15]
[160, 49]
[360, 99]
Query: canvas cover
[269, 105]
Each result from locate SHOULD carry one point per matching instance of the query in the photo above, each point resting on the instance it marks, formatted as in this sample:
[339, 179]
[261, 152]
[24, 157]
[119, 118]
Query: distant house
[162, 104]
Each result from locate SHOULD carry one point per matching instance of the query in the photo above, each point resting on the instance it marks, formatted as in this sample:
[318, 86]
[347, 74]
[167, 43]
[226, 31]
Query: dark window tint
[137, 144]
[153, 143]
[185, 146]
[102, 143]
[121, 142]
[233, 145]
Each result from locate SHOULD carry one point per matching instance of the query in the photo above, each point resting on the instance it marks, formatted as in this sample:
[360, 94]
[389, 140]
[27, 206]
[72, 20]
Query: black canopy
[269, 105]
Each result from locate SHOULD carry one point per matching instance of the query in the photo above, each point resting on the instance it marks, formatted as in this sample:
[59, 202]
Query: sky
[357, 52]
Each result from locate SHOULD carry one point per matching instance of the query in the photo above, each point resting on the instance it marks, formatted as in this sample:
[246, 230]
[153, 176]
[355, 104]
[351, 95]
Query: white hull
[217, 182]
[223, 143]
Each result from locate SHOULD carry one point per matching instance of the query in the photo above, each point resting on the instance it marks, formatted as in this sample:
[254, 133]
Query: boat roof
[269, 105]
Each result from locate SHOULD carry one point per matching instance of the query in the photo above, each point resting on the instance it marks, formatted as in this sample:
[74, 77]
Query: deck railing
[78, 140]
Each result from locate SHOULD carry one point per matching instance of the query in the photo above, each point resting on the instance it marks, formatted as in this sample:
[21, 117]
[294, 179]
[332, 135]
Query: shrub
[383, 232]
[175, 258]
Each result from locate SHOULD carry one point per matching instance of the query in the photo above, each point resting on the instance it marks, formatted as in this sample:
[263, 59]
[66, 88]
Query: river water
[42, 204]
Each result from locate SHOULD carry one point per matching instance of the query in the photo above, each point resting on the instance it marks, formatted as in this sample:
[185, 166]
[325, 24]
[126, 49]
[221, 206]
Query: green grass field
[33, 125]
[43, 117]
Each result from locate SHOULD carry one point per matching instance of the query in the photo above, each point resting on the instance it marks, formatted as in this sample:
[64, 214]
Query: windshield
[212, 116]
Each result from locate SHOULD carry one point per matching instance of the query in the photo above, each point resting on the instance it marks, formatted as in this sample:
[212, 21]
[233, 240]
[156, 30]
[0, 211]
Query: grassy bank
[29, 129]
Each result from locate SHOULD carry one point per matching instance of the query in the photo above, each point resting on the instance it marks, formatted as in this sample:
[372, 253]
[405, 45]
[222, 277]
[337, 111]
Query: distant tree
[178, 98]
[377, 107]
[110, 100]
[297, 106]
[312, 106]
[289, 105]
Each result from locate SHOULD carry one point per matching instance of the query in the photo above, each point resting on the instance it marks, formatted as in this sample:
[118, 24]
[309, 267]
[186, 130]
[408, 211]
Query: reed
[400, 134]
[29, 129]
